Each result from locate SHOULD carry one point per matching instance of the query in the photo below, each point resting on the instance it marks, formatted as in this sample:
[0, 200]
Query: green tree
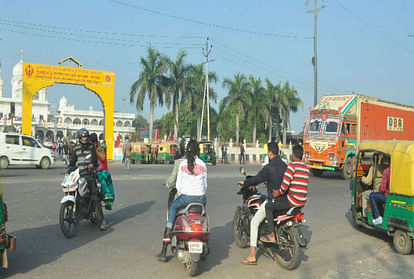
[140, 122]
[290, 101]
[177, 84]
[271, 107]
[151, 82]
[238, 98]
[259, 100]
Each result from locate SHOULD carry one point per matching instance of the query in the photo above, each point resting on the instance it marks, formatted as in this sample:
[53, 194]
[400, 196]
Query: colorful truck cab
[338, 123]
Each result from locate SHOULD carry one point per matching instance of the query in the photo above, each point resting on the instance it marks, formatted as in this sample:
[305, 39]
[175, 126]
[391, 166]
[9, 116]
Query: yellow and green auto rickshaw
[167, 153]
[398, 210]
[207, 153]
[6, 241]
[138, 152]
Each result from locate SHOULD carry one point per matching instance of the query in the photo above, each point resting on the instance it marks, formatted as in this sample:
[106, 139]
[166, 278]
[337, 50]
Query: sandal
[267, 239]
[248, 262]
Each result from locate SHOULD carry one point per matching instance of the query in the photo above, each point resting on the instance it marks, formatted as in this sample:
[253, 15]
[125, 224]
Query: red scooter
[189, 237]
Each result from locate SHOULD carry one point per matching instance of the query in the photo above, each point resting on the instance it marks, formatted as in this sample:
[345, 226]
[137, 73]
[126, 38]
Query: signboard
[64, 74]
[395, 123]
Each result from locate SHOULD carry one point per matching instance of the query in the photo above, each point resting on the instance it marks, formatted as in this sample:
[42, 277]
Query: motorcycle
[77, 203]
[190, 236]
[288, 228]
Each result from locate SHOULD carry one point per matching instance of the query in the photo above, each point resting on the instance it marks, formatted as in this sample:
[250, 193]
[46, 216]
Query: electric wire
[218, 26]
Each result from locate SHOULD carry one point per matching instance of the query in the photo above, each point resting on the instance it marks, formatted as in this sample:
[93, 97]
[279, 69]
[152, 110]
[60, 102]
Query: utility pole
[315, 11]
[206, 53]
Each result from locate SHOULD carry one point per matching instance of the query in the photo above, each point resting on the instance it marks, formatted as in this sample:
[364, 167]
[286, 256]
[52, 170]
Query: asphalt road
[127, 250]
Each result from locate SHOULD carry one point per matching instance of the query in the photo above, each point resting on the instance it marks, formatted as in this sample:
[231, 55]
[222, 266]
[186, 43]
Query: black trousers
[93, 189]
[278, 205]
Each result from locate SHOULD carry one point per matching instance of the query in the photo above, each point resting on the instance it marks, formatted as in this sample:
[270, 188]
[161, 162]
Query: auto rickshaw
[6, 241]
[167, 153]
[138, 152]
[398, 210]
[207, 153]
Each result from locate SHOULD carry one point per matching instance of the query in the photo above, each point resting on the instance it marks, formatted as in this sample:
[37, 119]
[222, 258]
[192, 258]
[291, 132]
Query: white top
[192, 184]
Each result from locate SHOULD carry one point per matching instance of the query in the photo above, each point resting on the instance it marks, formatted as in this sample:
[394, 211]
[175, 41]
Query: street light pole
[315, 11]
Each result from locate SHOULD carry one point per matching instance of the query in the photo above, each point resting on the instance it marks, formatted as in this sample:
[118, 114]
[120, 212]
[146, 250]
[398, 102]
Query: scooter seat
[191, 208]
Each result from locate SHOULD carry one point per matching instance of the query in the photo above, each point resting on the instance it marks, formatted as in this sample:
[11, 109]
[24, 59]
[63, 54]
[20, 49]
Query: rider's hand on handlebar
[240, 183]
[90, 166]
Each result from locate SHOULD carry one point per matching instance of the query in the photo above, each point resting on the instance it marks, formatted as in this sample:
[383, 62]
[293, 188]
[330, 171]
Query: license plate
[317, 166]
[195, 247]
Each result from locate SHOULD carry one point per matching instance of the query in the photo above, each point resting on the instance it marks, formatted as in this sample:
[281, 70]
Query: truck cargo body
[338, 123]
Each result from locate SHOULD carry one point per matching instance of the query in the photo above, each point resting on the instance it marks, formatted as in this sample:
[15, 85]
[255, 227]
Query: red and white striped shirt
[295, 183]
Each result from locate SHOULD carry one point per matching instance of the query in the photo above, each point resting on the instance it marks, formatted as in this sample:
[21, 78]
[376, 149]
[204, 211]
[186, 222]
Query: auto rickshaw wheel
[403, 244]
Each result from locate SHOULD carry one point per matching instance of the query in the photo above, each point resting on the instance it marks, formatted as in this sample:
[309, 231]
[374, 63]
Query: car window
[12, 139]
[29, 142]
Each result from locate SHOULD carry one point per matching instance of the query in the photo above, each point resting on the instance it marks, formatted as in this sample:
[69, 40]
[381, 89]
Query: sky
[363, 46]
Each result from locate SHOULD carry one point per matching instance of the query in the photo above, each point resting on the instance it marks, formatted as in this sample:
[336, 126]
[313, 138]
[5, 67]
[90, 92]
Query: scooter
[288, 228]
[190, 235]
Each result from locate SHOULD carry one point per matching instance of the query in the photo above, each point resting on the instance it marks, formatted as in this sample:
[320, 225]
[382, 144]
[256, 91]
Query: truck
[338, 123]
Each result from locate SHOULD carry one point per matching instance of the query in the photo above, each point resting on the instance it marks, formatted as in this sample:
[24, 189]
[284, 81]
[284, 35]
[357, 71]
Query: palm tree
[151, 82]
[258, 97]
[272, 106]
[238, 99]
[289, 101]
[177, 81]
[195, 91]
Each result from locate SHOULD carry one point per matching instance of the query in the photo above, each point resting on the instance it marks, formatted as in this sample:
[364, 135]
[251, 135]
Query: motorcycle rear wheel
[192, 268]
[288, 258]
[69, 221]
[240, 235]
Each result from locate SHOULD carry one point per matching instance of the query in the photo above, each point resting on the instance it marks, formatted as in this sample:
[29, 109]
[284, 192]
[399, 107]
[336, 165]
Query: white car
[18, 149]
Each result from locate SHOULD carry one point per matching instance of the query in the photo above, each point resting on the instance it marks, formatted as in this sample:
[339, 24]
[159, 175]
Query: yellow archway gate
[38, 76]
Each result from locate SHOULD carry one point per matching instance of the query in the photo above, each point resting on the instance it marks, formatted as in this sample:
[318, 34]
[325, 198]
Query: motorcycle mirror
[242, 171]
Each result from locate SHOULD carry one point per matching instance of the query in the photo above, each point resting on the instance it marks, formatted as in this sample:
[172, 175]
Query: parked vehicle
[338, 123]
[190, 236]
[398, 210]
[18, 149]
[167, 153]
[77, 204]
[207, 152]
[6, 241]
[288, 229]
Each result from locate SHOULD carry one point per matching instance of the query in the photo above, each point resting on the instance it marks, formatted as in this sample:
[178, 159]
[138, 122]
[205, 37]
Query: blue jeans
[181, 201]
[376, 198]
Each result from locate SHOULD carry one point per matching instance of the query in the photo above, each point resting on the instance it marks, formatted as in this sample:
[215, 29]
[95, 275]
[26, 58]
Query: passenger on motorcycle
[84, 157]
[191, 184]
[272, 175]
[293, 191]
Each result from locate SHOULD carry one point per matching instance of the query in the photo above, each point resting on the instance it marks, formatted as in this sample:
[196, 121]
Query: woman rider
[191, 184]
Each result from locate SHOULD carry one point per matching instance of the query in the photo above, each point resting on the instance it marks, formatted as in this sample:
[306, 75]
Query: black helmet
[83, 133]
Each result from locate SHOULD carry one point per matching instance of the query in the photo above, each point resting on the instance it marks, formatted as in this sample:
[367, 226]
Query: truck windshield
[331, 126]
[314, 125]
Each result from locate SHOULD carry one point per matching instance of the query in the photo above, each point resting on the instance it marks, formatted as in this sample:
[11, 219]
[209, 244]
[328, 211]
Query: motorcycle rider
[272, 175]
[293, 191]
[84, 157]
[190, 183]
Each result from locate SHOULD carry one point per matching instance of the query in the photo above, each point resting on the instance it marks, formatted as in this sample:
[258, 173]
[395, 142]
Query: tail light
[196, 227]
[298, 217]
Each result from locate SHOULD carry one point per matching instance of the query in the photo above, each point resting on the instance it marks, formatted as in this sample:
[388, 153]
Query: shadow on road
[221, 239]
[43, 245]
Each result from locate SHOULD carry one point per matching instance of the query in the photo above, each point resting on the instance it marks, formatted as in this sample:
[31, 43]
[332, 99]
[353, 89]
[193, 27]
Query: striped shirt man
[295, 183]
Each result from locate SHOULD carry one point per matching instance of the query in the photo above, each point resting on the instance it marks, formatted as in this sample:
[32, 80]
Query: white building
[49, 123]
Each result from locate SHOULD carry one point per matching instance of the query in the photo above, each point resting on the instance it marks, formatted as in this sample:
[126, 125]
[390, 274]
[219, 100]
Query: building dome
[63, 102]
[18, 69]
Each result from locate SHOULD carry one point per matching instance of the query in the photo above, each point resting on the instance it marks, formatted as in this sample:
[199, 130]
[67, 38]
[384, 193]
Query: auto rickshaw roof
[402, 163]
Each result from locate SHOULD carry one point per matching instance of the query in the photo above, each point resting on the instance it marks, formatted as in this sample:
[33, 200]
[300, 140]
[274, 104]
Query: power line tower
[315, 11]
[206, 95]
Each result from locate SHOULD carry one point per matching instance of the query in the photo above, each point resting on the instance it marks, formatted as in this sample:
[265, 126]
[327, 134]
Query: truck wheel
[4, 162]
[348, 169]
[317, 172]
[403, 244]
